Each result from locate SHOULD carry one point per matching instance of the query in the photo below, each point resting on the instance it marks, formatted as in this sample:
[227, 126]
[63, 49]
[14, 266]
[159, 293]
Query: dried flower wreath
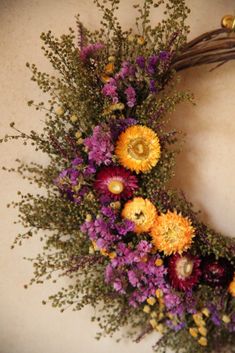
[134, 248]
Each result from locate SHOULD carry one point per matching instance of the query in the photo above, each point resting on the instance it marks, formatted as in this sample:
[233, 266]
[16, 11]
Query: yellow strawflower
[141, 212]
[138, 148]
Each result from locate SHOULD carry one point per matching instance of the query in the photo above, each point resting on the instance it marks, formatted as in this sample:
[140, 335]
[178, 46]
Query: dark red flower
[184, 271]
[116, 183]
[217, 272]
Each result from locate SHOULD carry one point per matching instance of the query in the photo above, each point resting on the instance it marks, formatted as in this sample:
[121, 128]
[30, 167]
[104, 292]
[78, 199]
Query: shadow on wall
[205, 167]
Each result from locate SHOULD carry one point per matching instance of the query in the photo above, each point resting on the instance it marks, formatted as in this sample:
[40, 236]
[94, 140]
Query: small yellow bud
[91, 250]
[109, 68]
[158, 262]
[171, 316]
[151, 300]
[202, 330]
[105, 78]
[153, 323]
[88, 217]
[226, 319]
[146, 309]
[111, 58]
[206, 312]
[78, 134]
[59, 111]
[160, 328]
[202, 341]
[117, 106]
[73, 118]
[112, 255]
[153, 314]
[80, 141]
[141, 40]
[159, 293]
[104, 252]
[161, 316]
[95, 246]
[193, 331]
[115, 205]
[131, 38]
[198, 319]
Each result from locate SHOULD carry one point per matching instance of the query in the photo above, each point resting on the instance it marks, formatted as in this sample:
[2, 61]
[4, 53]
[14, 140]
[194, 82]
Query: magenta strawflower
[116, 183]
[184, 271]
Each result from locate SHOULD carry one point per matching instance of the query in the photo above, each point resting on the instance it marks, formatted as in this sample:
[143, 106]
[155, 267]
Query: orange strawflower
[140, 211]
[138, 148]
[172, 233]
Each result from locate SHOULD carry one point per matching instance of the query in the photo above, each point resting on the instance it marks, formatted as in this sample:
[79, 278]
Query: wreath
[133, 247]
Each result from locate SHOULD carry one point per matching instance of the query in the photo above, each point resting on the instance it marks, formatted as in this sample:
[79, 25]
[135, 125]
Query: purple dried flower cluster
[106, 230]
[131, 269]
[100, 146]
[71, 181]
[90, 51]
[130, 76]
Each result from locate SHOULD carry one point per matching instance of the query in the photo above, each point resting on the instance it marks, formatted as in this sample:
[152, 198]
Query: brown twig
[217, 46]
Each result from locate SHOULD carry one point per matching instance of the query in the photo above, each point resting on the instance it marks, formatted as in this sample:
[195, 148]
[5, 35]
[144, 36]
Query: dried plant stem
[217, 46]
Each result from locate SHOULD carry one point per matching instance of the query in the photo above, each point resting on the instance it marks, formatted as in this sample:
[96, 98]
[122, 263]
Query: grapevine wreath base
[134, 248]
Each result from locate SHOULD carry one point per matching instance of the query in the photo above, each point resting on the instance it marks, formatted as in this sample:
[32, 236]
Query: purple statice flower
[98, 231]
[136, 270]
[90, 51]
[176, 327]
[140, 61]
[69, 181]
[110, 90]
[152, 64]
[89, 170]
[117, 126]
[171, 300]
[125, 227]
[130, 96]
[118, 286]
[127, 71]
[231, 325]
[106, 230]
[190, 302]
[152, 86]
[100, 146]
[164, 55]
[76, 161]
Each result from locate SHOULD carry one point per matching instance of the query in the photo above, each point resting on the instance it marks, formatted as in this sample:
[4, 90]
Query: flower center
[139, 217]
[138, 149]
[184, 267]
[115, 187]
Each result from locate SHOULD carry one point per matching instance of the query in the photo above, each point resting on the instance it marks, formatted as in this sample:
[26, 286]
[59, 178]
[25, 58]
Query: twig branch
[217, 46]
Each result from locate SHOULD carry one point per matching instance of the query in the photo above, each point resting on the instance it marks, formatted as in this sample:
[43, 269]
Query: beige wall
[205, 168]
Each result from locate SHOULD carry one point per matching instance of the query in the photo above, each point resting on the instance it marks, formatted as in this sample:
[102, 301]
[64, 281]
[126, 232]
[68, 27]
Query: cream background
[205, 168]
